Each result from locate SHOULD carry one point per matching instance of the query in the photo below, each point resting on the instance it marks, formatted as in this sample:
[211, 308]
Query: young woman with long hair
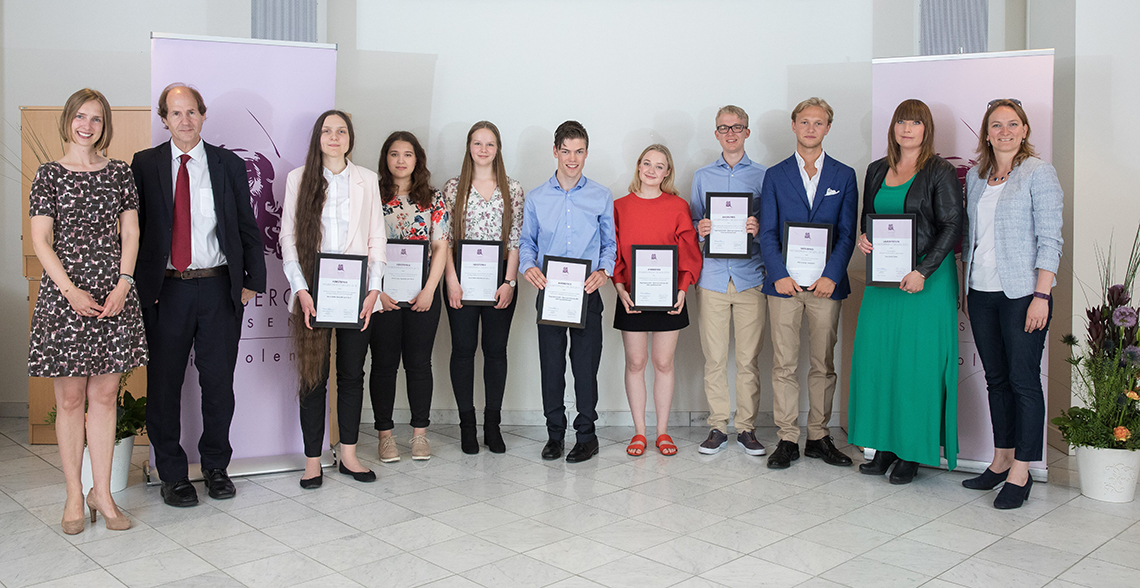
[331, 206]
[485, 205]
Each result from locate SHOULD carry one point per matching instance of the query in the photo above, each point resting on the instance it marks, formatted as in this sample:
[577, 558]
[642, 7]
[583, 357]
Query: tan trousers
[746, 311]
[786, 315]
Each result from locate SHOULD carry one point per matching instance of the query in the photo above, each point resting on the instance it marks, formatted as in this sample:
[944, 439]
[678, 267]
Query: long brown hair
[986, 159]
[667, 183]
[421, 191]
[459, 212]
[916, 110]
[312, 345]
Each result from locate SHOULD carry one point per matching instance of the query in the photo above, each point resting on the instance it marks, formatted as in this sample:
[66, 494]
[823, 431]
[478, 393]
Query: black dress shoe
[824, 448]
[368, 476]
[987, 481]
[314, 482]
[786, 452]
[904, 472]
[552, 450]
[218, 484]
[879, 464]
[1012, 496]
[180, 493]
[582, 451]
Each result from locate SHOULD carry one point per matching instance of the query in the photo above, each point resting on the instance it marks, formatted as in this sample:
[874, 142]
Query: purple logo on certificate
[728, 204]
[479, 251]
[890, 226]
[807, 236]
[340, 267]
[653, 257]
[565, 270]
[403, 251]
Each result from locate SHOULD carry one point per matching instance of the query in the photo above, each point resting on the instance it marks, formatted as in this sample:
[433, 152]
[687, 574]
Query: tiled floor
[512, 520]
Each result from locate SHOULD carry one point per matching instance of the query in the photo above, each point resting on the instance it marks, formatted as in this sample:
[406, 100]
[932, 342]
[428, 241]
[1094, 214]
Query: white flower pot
[1108, 475]
[120, 465]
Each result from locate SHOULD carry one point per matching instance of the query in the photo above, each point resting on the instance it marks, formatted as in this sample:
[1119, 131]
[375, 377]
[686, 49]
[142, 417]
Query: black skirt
[651, 321]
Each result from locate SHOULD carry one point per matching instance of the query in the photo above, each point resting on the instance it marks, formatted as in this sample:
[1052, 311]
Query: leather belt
[190, 274]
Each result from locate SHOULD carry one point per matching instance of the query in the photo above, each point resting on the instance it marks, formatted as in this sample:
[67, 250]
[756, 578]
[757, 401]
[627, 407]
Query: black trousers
[351, 349]
[464, 323]
[196, 313]
[585, 357]
[1012, 361]
[409, 335]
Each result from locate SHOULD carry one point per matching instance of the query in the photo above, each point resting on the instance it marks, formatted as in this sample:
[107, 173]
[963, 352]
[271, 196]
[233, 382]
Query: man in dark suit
[807, 187]
[200, 260]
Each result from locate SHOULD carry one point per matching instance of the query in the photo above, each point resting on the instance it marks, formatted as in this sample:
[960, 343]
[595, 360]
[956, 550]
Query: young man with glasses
[729, 290]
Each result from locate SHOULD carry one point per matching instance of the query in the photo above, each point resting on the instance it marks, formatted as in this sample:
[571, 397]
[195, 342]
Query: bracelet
[129, 279]
[1043, 296]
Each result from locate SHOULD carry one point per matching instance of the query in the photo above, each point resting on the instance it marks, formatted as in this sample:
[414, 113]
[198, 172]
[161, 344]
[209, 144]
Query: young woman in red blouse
[652, 214]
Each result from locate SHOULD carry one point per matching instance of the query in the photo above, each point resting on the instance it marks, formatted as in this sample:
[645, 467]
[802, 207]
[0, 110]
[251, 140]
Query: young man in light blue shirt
[570, 216]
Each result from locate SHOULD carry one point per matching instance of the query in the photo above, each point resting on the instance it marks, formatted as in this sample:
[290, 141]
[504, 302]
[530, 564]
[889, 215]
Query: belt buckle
[184, 275]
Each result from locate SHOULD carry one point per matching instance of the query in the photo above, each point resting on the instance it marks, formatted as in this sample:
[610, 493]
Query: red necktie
[180, 233]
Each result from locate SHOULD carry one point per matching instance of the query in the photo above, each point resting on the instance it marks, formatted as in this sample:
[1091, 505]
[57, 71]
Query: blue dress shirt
[746, 176]
[578, 224]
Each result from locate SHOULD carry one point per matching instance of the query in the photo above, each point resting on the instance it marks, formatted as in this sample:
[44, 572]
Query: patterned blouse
[408, 221]
[484, 220]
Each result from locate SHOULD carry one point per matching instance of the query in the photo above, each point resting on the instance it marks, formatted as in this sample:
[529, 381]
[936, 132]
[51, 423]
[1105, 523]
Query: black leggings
[464, 324]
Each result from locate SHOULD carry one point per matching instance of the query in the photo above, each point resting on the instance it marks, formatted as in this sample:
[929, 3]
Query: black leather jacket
[935, 198]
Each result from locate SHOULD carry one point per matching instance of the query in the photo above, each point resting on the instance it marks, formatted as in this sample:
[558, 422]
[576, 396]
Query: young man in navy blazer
[807, 187]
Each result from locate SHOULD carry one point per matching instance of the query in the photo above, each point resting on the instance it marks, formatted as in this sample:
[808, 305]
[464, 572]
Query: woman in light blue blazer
[1011, 254]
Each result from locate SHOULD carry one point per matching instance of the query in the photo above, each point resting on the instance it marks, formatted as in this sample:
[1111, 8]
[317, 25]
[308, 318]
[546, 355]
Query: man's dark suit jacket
[237, 233]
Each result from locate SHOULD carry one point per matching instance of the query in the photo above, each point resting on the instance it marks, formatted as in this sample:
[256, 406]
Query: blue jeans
[1012, 361]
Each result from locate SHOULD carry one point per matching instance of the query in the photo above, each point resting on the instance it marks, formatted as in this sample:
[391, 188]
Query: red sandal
[637, 445]
[665, 445]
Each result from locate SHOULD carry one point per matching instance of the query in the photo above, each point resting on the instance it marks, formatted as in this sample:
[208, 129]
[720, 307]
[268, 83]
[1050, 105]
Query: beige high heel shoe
[72, 527]
[119, 523]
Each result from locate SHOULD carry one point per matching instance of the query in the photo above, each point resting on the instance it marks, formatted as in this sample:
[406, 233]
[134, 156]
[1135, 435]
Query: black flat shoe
[904, 472]
[786, 452]
[825, 449]
[314, 482]
[582, 451]
[369, 476]
[552, 450]
[1012, 495]
[218, 484]
[987, 481]
[879, 464]
[180, 493]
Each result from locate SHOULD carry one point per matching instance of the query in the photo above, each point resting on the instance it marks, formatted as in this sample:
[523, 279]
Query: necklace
[995, 178]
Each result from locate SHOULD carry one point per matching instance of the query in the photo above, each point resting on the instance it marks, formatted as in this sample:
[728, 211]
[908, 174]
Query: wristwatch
[512, 283]
[129, 278]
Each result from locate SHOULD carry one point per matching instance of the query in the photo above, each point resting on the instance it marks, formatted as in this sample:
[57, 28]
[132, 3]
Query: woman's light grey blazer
[1027, 225]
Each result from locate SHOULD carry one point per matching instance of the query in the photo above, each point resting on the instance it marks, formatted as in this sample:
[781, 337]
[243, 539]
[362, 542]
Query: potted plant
[1106, 429]
[131, 421]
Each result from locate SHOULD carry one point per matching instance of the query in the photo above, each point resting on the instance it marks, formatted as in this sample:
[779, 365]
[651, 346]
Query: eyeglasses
[724, 129]
[1014, 100]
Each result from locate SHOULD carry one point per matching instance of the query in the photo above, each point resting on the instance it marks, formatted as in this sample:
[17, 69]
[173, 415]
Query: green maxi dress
[904, 372]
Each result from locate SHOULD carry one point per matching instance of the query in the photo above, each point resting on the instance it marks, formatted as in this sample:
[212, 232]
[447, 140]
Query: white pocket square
[831, 191]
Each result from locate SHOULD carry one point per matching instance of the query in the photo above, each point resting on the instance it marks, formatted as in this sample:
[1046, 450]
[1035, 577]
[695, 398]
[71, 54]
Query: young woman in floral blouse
[481, 212]
[416, 211]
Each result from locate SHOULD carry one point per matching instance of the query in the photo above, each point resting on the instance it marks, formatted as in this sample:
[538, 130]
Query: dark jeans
[410, 335]
[1012, 361]
[585, 357]
[464, 324]
[351, 348]
[196, 313]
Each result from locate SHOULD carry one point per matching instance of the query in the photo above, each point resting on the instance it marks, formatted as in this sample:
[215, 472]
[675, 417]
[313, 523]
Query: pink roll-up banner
[262, 98]
[958, 89]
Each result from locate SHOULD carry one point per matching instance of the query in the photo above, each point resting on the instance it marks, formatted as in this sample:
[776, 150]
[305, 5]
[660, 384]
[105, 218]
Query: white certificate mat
[653, 277]
[562, 303]
[338, 290]
[892, 248]
[478, 271]
[807, 248]
[729, 213]
[406, 271]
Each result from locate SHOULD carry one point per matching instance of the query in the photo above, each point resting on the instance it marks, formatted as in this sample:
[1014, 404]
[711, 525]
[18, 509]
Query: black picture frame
[786, 238]
[426, 246]
[500, 271]
[747, 197]
[671, 250]
[871, 218]
[314, 291]
[581, 324]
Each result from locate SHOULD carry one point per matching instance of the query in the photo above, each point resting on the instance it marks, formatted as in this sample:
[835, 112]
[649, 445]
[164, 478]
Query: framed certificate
[729, 212]
[407, 270]
[892, 255]
[653, 277]
[807, 247]
[562, 303]
[480, 273]
[338, 290]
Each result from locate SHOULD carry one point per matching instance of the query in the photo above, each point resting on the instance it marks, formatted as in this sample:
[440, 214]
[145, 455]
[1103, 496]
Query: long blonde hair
[459, 212]
[667, 183]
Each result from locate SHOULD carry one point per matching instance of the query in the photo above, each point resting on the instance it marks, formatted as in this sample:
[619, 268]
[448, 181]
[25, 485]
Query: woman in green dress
[904, 374]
